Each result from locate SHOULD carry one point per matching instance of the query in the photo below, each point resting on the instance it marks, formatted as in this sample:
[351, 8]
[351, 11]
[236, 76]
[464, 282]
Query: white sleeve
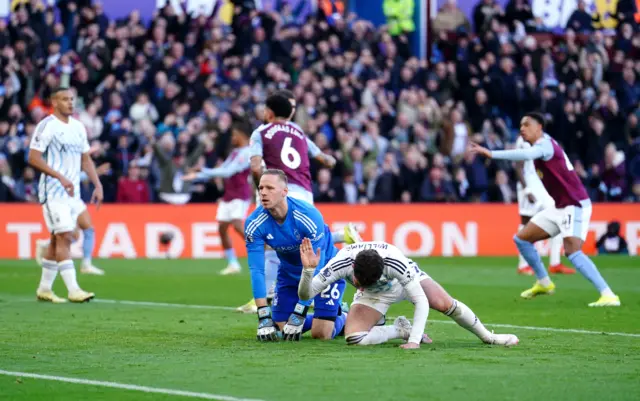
[337, 268]
[419, 299]
[42, 136]
[407, 273]
[546, 148]
[255, 144]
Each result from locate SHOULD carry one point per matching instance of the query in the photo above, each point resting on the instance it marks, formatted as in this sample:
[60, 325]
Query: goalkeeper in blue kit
[282, 222]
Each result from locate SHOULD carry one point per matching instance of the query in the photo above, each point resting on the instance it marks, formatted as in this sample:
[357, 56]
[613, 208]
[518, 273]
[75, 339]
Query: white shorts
[61, 216]
[381, 301]
[529, 209]
[571, 221]
[235, 209]
[298, 192]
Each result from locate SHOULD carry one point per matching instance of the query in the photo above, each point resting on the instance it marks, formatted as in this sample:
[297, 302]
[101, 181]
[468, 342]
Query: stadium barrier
[133, 231]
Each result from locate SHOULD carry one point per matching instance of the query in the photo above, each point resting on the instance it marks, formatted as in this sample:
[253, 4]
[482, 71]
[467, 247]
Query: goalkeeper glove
[267, 329]
[293, 329]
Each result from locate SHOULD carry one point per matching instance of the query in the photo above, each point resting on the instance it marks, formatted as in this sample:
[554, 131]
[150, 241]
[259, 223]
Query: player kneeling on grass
[384, 276]
[281, 222]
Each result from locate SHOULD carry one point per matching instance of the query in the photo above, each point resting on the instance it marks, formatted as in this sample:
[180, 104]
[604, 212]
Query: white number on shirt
[289, 155]
[331, 291]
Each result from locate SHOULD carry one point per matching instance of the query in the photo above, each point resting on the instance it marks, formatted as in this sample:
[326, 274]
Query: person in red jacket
[133, 189]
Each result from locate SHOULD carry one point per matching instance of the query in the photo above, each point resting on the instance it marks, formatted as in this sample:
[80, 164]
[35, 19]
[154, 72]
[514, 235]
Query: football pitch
[166, 330]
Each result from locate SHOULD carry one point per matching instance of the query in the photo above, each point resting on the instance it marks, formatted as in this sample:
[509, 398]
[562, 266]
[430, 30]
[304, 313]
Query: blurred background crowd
[158, 96]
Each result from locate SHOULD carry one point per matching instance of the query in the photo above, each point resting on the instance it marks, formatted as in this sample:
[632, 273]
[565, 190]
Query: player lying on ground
[233, 208]
[384, 276]
[569, 217]
[281, 222]
[281, 144]
[60, 144]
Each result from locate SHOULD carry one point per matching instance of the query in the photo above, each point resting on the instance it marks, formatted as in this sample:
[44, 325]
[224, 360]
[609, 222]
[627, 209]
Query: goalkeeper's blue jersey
[303, 221]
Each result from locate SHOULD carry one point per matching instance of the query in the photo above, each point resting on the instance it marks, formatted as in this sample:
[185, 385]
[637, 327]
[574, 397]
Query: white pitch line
[513, 326]
[132, 387]
[554, 329]
[142, 303]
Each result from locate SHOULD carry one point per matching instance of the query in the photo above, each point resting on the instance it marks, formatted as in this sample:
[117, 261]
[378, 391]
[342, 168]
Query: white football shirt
[62, 145]
[398, 269]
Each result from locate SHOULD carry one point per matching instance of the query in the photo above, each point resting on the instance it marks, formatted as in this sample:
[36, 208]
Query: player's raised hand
[310, 259]
[267, 329]
[476, 149]
[410, 346]
[67, 185]
[97, 197]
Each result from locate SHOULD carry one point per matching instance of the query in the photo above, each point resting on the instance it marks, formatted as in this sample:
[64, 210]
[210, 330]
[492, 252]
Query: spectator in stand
[399, 15]
[436, 188]
[132, 188]
[160, 94]
[325, 190]
[580, 20]
[501, 191]
[450, 18]
[612, 242]
[613, 187]
[483, 13]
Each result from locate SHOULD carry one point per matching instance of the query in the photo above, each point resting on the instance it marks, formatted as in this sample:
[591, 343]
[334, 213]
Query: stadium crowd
[158, 98]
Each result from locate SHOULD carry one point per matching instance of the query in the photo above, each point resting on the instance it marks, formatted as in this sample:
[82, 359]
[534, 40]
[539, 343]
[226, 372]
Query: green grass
[215, 351]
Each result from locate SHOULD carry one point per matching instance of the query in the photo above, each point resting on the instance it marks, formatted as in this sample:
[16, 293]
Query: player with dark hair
[233, 208]
[59, 149]
[569, 217]
[532, 199]
[383, 277]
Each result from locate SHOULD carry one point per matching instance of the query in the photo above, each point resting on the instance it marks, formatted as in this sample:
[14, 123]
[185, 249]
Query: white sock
[49, 274]
[555, 249]
[545, 281]
[521, 262]
[465, 317]
[337, 236]
[68, 273]
[377, 335]
[86, 262]
[607, 292]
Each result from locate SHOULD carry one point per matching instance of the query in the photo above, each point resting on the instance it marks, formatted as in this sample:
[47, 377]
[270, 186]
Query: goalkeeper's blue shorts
[326, 305]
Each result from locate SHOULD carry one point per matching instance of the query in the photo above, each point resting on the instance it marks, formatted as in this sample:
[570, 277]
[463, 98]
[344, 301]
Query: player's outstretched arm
[255, 156]
[420, 315]
[543, 150]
